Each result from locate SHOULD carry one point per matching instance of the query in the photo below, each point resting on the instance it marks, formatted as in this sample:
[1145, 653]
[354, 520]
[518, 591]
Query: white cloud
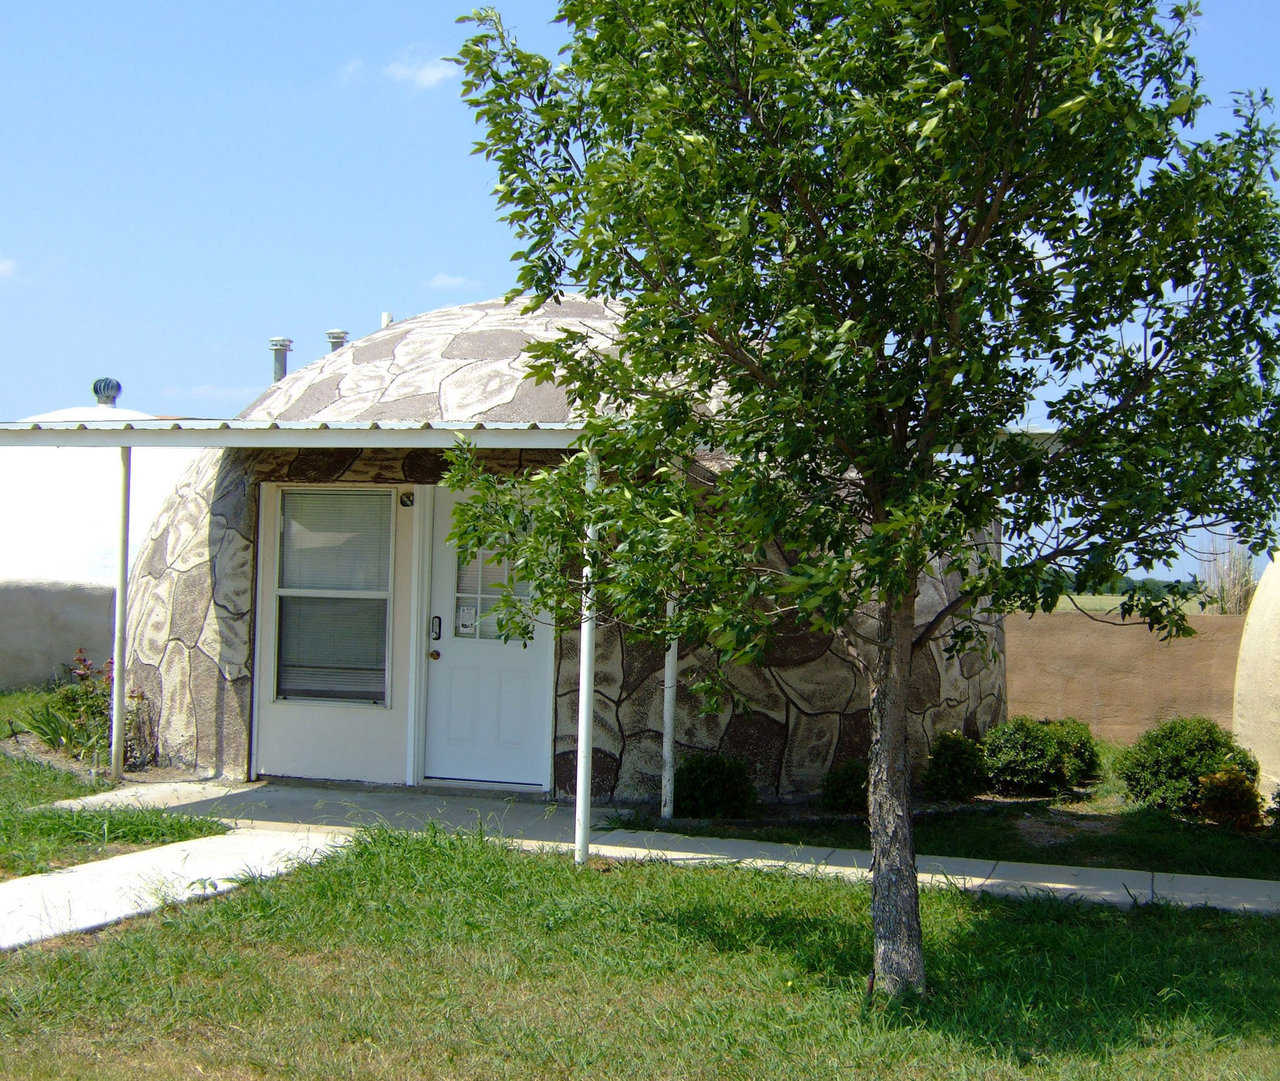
[8, 268]
[420, 72]
[441, 280]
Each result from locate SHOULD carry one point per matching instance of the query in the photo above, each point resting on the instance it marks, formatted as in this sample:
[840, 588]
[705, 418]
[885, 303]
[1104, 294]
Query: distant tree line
[1122, 583]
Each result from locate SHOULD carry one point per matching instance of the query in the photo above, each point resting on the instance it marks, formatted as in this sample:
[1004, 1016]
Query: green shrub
[1230, 798]
[76, 716]
[1023, 759]
[844, 788]
[956, 770]
[1163, 768]
[714, 786]
[1080, 760]
[85, 698]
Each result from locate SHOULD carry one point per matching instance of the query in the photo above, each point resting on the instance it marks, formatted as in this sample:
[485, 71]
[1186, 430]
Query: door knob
[434, 654]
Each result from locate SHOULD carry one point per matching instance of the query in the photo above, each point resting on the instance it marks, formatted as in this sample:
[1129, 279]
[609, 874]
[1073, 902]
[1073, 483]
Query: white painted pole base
[120, 634]
[669, 722]
[586, 692]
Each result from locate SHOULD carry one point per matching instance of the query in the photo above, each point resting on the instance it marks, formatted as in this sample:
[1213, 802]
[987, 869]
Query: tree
[854, 242]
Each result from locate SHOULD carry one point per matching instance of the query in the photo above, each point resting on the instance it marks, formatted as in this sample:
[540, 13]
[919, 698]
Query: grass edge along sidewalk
[36, 839]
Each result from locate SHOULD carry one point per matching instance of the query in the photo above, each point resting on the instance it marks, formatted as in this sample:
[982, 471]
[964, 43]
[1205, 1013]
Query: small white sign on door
[466, 624]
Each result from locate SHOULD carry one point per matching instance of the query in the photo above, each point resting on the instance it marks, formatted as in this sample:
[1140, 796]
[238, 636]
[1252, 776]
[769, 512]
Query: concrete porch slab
[271, 804]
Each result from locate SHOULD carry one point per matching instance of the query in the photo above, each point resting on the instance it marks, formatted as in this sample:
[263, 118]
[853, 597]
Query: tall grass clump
[1229, 579]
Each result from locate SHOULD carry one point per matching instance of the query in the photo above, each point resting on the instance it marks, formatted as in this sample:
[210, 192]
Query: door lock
[435, 628]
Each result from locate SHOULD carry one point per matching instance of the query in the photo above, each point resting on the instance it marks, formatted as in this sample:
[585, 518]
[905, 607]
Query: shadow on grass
[1041, 977]
[1138, 838]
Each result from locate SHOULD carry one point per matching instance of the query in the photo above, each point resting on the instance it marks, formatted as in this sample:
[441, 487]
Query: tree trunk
[895, 899]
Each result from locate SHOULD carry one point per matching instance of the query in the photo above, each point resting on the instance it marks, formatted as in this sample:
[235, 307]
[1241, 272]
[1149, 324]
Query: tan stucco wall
[1119, 680]
[1256, 719]
[42, 624]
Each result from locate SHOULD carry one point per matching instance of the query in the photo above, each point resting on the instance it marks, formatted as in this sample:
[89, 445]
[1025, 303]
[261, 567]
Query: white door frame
[424, 503]
[417, 594]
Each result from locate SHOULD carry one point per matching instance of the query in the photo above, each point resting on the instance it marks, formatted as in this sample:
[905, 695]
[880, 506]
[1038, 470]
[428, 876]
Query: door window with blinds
[334, 595]
[479, 584]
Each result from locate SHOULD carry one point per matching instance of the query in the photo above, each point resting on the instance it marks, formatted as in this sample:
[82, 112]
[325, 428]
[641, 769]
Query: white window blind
[336, 540]
[333, 595]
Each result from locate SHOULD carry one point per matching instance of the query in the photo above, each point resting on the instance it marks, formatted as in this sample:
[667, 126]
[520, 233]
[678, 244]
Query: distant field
[1090, 602]
[1101, 603]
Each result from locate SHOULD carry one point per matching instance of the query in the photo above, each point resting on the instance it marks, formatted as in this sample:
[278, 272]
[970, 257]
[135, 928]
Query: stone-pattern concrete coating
[791, 719]
[1256, 717]
[191, 591]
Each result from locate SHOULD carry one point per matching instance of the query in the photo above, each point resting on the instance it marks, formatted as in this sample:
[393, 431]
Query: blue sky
[183, 181]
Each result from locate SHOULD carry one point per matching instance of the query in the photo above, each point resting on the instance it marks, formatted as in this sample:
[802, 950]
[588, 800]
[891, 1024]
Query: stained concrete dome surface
[1256, 719]
[463, 365]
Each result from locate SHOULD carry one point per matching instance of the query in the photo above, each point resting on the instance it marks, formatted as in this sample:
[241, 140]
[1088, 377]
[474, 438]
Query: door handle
[434, 654]
[435, 628]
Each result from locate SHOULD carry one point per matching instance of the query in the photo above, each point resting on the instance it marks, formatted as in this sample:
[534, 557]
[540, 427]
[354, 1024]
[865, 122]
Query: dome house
[296, 609]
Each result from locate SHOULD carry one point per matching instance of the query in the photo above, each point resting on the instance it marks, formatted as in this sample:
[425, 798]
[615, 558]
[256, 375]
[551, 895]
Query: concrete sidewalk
[276, 825]
[93, 895]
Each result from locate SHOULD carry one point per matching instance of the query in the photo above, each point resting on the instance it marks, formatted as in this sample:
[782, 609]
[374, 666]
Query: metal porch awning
[259, 434]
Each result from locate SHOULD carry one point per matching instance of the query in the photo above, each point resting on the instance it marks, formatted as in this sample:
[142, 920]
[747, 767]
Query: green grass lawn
[34, 841]
[412, 955]
[1102, 603]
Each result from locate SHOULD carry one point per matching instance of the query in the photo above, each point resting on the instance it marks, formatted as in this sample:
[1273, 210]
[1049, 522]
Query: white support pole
[122, 607]
[669, 722]
[586, 688]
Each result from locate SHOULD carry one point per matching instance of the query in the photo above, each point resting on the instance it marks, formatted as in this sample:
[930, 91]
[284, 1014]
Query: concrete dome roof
[462, 364]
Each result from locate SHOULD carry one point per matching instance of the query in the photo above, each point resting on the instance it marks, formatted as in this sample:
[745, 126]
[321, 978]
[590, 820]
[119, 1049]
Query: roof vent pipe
[337, 339]
[387, 320]
[106, 390]
[280, 351]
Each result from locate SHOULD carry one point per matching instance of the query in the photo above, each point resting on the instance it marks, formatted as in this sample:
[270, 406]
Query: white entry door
[488, 701]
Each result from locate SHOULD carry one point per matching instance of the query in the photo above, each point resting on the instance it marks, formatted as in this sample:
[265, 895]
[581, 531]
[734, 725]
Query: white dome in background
[62, 504]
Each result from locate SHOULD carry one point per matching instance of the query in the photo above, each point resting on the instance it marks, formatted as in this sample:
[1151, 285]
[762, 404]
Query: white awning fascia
[286, 434]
